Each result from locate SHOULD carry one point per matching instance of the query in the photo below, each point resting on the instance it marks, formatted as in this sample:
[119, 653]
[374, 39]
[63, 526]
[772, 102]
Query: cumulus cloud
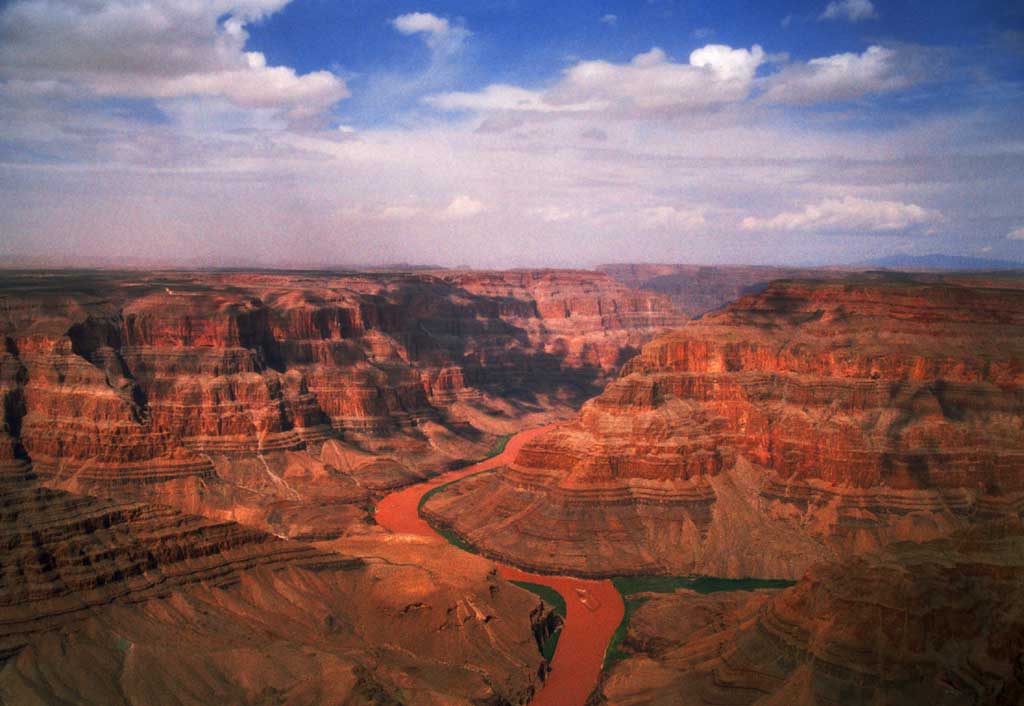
[440, 34]
[1016, 234]
[671, 218]
[463, 206]
[498, 97]
[651, 83]
[170, 49]
[852, 10]
[849, 214]
[610, 20]
[838, 77]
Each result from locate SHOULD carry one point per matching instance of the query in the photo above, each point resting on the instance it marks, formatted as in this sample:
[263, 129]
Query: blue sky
[509, 133]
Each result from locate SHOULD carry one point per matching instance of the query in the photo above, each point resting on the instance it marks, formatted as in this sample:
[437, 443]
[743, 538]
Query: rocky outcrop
[108, 602]
[265, 397]
[803, 423]
[933, 623]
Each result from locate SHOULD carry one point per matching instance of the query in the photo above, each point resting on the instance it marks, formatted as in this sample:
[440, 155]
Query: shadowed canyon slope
[698, 289]
[287, 400]
[807, 422]
[935, 623]
[108, 602]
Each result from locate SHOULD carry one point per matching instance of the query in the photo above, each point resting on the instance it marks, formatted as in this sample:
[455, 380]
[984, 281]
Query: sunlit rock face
[288, 400]
[806, 422]
[939, 622]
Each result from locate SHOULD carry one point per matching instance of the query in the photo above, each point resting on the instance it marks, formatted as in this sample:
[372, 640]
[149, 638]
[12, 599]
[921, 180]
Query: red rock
[803, 423]
[933, 623]
[193, 389]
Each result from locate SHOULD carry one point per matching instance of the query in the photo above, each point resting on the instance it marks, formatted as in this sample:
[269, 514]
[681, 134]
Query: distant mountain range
[936, 261]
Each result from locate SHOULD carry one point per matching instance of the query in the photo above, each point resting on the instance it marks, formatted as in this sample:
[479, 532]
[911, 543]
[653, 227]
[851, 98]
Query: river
[593, 608]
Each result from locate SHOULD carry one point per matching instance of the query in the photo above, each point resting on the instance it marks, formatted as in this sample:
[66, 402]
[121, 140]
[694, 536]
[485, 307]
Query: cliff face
[109, 602]
[803, 423]
[265, 397]
[933, 623]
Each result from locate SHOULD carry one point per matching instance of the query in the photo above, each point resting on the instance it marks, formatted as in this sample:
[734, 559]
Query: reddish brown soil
[594, 608]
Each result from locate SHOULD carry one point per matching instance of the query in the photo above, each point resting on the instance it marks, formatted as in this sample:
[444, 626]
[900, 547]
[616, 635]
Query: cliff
[266, 398]
[933, 623]
[804, 423]
[107, 602]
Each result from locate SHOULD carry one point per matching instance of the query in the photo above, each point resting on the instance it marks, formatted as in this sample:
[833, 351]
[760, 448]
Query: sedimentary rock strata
[806, 422]
[934, 623]
[266, 397]
[107, 602]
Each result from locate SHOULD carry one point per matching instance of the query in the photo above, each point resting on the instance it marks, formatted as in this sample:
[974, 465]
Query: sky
[509, 133]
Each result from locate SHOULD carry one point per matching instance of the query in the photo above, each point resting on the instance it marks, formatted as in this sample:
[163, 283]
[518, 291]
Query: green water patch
[630, 586]
[554, 599]
[434, 491]
[550, 595]
[454, 539]
[614, 651]
[627, 585]
[496, 450]
[499, 446]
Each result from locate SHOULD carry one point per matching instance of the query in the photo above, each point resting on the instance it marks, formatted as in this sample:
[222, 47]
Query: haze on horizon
[507, 133]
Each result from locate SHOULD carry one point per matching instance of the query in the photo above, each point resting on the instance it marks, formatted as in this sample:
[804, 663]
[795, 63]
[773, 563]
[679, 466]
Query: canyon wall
[111, 602]
[934, 623]
[287, 400]
[804, 423]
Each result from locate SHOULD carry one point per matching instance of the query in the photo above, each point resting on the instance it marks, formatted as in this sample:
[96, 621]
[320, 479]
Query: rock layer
[933, 623]
[265, 397]
[106, 602]
[803, 423]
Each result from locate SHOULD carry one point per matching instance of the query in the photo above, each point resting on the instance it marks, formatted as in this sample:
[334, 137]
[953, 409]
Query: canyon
[938, 622]
[262, 487]
[806, 423]
[287, 401]
[189, 463]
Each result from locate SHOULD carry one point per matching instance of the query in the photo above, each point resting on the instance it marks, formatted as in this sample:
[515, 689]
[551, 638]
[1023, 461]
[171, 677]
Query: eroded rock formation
[810, 421]
[935, 623]
[107, 602]
[288, 400]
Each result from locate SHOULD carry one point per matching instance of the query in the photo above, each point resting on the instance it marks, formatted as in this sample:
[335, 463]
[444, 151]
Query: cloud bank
[170, 49]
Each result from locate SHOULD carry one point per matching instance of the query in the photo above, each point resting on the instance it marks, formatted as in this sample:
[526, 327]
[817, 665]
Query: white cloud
[463, 206]
[170, 49]
[440, 35]
[838, 77]
[671, 218]
[415, 22]
[1016, 234]
[650, 83]
[849, 214]
[852, 10]
[610, 20]
[559, 214]
[497, 97]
